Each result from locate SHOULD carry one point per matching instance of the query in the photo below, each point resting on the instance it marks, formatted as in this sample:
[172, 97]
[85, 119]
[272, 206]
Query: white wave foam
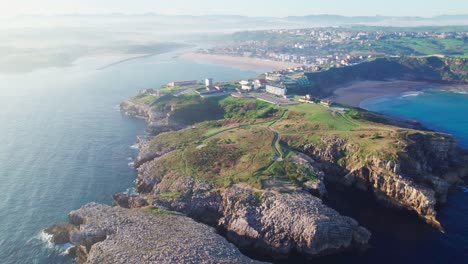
[131, 191]
[46, 238]
[67, 248]
[131, 164]
[411, 94]
[135, 146]
[460, 91]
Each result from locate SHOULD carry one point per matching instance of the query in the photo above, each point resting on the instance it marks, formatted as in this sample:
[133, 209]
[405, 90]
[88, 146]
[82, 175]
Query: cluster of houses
[279, 88]
[311, 100]
[277, 82]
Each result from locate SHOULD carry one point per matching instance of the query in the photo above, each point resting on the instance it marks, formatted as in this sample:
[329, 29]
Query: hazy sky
[238, 7]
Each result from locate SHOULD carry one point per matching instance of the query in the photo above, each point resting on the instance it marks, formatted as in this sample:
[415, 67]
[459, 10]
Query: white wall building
[246, 85]
[276, 89]
[209, 82]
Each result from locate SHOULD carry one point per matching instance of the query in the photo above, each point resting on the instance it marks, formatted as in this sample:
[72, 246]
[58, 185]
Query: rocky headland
[206, 170]
[105, 234]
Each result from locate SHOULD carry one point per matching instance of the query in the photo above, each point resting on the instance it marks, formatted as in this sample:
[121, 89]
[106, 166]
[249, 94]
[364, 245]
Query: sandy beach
[240, 62]
[354, 93]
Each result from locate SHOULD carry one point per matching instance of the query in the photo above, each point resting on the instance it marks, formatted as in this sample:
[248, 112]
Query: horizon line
[219, 15]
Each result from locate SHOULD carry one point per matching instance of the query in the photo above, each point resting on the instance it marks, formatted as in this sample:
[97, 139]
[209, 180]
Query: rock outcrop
[316, 185]
[195, 198]
[129, 201]
[60, 232]
[272, 223]
[279, 224]
[158, 122]
[107, 234]
[416, 179]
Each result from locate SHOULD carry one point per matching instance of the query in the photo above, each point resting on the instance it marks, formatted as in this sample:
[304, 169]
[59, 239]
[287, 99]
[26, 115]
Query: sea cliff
[417, 177]
[259, 173]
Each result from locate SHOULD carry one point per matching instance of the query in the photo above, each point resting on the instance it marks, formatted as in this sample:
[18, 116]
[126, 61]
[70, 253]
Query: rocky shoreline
[275, 224]
[105, 234]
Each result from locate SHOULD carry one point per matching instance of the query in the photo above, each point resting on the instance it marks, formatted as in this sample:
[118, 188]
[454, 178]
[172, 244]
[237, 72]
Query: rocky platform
[105, 234]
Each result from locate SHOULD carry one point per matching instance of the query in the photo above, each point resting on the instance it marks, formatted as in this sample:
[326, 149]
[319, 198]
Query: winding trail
[275, 143]
[204, 139]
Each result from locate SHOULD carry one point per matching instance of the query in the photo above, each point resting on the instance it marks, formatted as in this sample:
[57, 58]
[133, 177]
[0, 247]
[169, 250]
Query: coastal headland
[258, 172]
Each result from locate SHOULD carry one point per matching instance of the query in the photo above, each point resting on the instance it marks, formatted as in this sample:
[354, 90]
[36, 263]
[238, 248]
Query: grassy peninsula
[231, 140]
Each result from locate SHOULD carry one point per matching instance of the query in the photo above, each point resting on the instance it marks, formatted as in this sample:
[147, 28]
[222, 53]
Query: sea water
[400, 238]
[64, 143]
[438, 109]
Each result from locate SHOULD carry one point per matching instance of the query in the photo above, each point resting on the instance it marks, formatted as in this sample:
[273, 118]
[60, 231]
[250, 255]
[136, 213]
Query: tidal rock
[118, 235]
[280, 224]
[60, 232]
[129, 201]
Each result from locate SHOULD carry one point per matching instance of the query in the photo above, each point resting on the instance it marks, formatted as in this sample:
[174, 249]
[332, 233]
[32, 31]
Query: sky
[277, 8]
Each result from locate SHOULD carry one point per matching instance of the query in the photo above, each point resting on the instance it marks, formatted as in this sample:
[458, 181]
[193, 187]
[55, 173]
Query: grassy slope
[406, 68]
[238, 145]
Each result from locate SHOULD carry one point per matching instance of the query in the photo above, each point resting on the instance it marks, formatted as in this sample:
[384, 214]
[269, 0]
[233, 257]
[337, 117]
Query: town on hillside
[323, 48]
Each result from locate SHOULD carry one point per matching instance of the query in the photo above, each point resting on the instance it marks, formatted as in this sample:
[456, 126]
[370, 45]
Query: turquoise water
[401, 239]
[439, 110]
[64, 143]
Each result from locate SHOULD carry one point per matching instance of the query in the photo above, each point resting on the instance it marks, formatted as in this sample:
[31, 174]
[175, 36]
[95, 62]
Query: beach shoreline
[243, 63]
[355, 93]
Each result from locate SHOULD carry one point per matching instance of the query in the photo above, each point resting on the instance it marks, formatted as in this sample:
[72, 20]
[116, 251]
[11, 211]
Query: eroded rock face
[190, 196]
[316, 185]
[60, 232]
[417, 180]
[275, 224]
[279, 224]
[129, 201]
[158, 121]
[117, 235]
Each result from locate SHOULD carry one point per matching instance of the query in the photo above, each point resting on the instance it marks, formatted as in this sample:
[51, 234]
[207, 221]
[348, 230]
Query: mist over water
[63, 143]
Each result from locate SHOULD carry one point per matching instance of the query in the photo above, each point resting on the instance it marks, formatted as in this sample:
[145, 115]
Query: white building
[276, 89]
[259, 84]
[274, 77]
[209, 82]
[246, 85]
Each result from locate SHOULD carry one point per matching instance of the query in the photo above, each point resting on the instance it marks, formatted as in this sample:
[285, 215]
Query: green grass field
[242, 144]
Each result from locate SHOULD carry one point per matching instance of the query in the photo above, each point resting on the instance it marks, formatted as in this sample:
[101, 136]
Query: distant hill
[432, 69]
[239, 22]
[381, 20]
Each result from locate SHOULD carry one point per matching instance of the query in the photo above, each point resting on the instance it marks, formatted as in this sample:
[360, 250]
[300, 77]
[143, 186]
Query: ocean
[64, 143]
[399, 238]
